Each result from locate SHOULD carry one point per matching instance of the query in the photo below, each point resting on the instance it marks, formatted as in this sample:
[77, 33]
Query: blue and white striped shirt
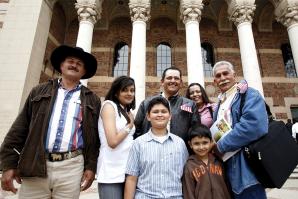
[65, 131]
[158, 166]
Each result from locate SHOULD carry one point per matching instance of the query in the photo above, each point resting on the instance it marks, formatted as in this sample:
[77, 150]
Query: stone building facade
[140, 37]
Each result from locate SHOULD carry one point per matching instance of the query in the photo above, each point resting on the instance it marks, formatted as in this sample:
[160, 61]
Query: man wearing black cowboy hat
[52, 146]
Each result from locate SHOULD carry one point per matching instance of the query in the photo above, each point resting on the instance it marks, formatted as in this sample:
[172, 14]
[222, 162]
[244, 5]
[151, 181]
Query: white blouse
[111, 163]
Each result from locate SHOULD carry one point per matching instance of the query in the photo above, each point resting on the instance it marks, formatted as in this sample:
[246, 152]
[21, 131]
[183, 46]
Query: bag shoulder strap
[242, 101]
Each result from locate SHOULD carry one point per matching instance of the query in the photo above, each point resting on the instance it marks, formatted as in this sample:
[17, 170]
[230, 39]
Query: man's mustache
[224, 82]
[73, 68]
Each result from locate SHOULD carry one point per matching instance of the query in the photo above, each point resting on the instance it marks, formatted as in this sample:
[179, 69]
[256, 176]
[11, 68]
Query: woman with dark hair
[197, 93]
[116, 129]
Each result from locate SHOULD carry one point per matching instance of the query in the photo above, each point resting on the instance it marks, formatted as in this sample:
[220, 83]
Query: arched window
[288, 60]
[163, 57]
[120, 66]
[207, 58]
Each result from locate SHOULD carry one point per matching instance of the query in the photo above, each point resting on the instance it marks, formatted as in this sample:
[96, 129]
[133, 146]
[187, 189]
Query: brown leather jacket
[28, 132]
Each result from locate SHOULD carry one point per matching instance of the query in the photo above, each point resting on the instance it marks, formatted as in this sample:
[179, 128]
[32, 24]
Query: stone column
[140, 14]
[23, 41]
[88, 13]
[242, 16]
[289, 18]
[191, 12]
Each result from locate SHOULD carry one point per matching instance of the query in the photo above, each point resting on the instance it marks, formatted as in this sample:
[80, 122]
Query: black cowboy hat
[63, 51]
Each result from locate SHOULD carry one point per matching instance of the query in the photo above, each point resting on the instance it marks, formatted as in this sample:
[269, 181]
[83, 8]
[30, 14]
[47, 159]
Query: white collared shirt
[155, 163]
[225, 104]
[64, 131]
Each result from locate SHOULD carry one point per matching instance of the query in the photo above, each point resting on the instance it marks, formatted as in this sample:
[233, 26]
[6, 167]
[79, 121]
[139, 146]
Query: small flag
[186, 107]
[242, 86]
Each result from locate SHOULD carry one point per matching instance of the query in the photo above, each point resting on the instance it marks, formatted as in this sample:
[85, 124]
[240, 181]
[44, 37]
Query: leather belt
[53, 157]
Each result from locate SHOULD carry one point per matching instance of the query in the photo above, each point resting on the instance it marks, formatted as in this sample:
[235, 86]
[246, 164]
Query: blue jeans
[254, 192]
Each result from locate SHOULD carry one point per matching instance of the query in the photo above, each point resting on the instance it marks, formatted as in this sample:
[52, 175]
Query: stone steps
[294, 175]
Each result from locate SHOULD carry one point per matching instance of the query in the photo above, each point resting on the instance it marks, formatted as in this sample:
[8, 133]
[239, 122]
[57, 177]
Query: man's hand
[87, 179]
[216, 152]
[7, 180]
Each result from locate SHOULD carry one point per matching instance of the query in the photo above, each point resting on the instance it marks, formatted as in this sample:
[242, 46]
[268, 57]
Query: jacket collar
[55, 83]
[173, 97]
[242, 86]
[196, 159]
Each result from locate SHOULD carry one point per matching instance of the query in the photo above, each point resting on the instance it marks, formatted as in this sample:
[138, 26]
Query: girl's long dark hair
[118, 85]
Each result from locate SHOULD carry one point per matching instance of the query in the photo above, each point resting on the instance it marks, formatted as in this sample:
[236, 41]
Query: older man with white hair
[247, 124]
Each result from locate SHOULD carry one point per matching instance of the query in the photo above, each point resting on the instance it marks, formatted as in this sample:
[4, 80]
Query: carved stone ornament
[242, 14]
[289, 17]
[139, 11]
[87, 11]
[191, 12]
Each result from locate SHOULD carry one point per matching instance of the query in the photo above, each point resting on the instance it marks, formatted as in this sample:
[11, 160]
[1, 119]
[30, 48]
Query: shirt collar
[78, 87]
[204, 107]
[150, 136]
[223, 96]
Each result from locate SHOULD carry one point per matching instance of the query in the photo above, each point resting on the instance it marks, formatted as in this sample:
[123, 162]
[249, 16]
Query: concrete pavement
[288, 191]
